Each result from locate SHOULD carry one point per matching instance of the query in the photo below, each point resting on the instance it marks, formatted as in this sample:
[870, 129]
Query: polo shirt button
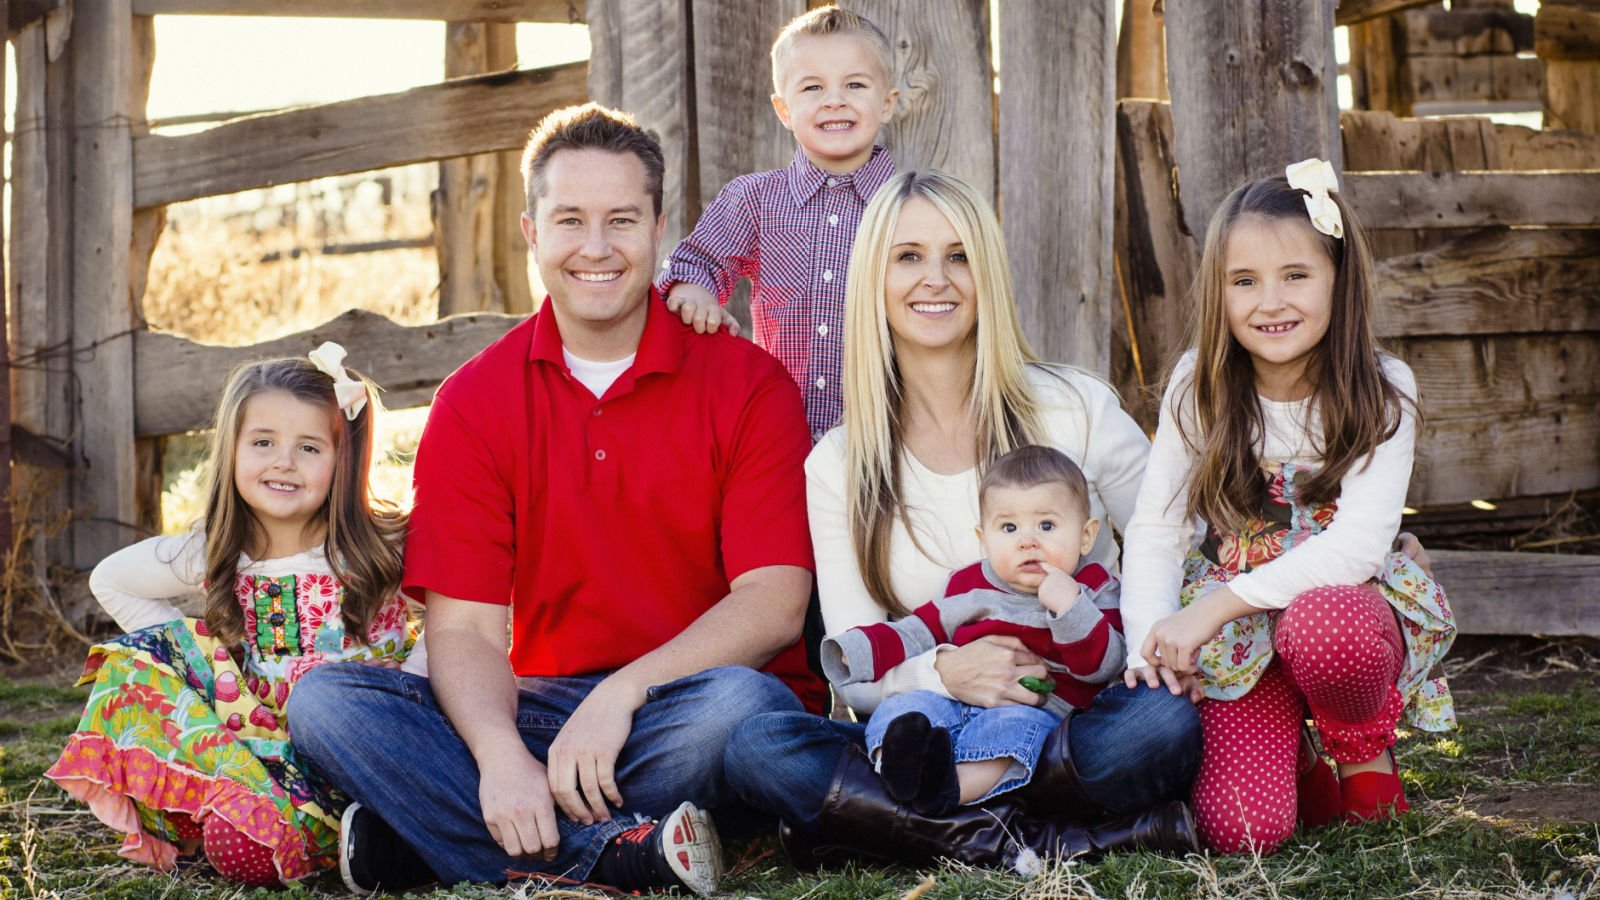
[827, 275]
[832, 182]
[822, 330]
[600, 454]
[822, 383]
[597, 410]
[833, 220]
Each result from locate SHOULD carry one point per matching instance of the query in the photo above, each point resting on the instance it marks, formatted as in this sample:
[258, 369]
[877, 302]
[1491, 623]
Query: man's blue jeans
[380, 736]
[1133, 748]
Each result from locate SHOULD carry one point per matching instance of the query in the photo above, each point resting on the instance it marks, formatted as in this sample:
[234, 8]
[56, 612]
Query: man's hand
[583, 757]
[985, 672]
[515, 795]
[1059, 590]
[699, 308]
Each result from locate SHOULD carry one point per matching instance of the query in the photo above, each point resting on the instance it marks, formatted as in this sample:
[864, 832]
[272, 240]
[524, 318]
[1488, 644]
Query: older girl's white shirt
[1349, 551]
[1084, 420]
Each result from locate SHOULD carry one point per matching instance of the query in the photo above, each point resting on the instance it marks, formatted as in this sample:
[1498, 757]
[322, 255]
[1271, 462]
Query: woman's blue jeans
[1133, 748]
[381, 737]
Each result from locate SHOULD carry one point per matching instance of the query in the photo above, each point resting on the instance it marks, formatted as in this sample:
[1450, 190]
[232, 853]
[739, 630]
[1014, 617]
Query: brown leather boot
[860, 818]
[1055, 789]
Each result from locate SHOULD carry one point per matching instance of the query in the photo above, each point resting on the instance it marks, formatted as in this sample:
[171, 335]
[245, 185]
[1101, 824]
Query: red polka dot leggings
[1338, 653]
[236, 857]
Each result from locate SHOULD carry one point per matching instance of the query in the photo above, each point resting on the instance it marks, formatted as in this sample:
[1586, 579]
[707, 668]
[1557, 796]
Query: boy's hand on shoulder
[1059, 590]
[697, 307]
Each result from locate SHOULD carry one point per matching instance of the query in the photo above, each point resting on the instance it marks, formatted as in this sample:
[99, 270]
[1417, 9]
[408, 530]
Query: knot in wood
[1298, 74]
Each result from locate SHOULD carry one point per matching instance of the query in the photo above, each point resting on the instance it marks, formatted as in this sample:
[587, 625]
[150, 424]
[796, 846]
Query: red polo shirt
[609, 525]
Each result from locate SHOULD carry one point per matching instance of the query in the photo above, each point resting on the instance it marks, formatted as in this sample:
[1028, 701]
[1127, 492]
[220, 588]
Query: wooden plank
[19, 14]
[639, 61]
[464, 204]
[1155, 257]
[1141, 52]
[408, 362]
[1250, 93]
[563, 11]
[6, 524]
[456, 118]
[1474, 199]
[1376, 56]
[102, 224]
[1351, 12]
[1539, 448]
[1570, 91]
[1503, 375]
[1521, 593]
[736, 130]
[1493, 282]
[1063, 287]
[1523, 148]
[941, 65]
[147, 226]
[1566, 31]
[29, 272]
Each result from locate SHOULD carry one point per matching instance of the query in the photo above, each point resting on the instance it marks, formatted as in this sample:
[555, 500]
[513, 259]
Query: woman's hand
[1411, 547]
[985, 672]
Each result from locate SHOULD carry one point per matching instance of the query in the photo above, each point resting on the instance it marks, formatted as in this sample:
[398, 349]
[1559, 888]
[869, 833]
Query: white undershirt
[1351, 550]
[596, 376]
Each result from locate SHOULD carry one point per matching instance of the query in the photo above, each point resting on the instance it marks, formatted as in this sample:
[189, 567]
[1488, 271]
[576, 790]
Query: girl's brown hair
[1358, 407]
[362, 536]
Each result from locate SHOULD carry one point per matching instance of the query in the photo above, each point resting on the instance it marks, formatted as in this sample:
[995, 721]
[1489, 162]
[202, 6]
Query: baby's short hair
[826, 20]
[1032, 466]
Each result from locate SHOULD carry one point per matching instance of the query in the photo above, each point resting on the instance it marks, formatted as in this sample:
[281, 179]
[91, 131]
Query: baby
[935, 752]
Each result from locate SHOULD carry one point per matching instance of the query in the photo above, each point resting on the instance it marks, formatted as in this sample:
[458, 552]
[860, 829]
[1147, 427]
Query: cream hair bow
[1315, 177]
[350, 392]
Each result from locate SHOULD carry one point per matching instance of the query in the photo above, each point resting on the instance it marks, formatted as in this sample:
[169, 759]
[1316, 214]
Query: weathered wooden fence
[1020, 97]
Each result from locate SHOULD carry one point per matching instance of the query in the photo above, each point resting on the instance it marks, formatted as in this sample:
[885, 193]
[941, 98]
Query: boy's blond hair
[826, 20]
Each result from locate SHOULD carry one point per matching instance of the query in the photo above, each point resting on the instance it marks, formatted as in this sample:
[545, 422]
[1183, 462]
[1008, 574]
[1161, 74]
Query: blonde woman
[939, 381]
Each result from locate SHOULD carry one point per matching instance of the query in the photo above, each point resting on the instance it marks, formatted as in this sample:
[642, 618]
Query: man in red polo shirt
[635, 493]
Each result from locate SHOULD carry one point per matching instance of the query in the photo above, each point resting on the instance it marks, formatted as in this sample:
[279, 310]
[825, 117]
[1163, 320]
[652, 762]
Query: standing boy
[790, 230]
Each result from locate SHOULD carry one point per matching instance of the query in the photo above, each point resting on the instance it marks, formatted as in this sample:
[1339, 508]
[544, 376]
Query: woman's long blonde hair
[362, 535]
[1358, 407]
[1004, 409]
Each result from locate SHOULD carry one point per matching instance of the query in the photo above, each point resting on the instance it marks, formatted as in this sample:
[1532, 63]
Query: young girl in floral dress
[184, 744]
[1259, 571]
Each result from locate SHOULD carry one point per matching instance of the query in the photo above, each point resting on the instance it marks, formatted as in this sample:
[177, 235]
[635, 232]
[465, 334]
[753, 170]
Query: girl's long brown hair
[362, 535]
[1359, 408]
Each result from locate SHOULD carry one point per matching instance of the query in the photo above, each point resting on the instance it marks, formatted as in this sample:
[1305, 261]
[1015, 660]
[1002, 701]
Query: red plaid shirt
[789, 231]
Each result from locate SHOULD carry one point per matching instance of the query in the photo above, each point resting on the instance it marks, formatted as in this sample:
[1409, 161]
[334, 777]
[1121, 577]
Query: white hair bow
[1316, 178]
[350, 392]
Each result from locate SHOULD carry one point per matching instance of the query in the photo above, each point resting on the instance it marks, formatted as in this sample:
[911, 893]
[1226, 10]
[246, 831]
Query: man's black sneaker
[373, 857]
[680, 851]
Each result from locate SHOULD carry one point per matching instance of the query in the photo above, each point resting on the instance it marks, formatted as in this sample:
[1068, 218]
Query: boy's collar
[805, 178]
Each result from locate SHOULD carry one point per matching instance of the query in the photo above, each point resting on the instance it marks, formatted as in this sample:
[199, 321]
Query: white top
[596, 376]
[1349, 551]
[141, 585]
[1084, 420]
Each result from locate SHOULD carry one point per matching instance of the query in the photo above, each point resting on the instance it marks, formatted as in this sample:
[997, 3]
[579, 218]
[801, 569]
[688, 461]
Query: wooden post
[1250, 94]
[945, 119]
[1567, 39]
[639, 62]
[147, 226]
[735, 128]
[464, 206]
[102, 322]
[5, 360]
[510, 247]
[1141, 52]
[1057, 172]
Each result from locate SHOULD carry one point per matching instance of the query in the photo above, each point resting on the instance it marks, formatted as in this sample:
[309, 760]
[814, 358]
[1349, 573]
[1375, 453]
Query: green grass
[1542, 742]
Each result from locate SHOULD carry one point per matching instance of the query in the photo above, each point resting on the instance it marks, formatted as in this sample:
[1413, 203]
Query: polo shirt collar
[660, 349]
[805, 179]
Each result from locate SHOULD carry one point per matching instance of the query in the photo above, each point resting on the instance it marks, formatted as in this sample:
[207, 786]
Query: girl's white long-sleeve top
[1084, 421]
[1349, 551]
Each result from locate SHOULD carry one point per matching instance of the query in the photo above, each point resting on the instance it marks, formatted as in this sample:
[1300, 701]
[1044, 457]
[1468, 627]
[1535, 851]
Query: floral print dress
[177, 729]
[1236, 658]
